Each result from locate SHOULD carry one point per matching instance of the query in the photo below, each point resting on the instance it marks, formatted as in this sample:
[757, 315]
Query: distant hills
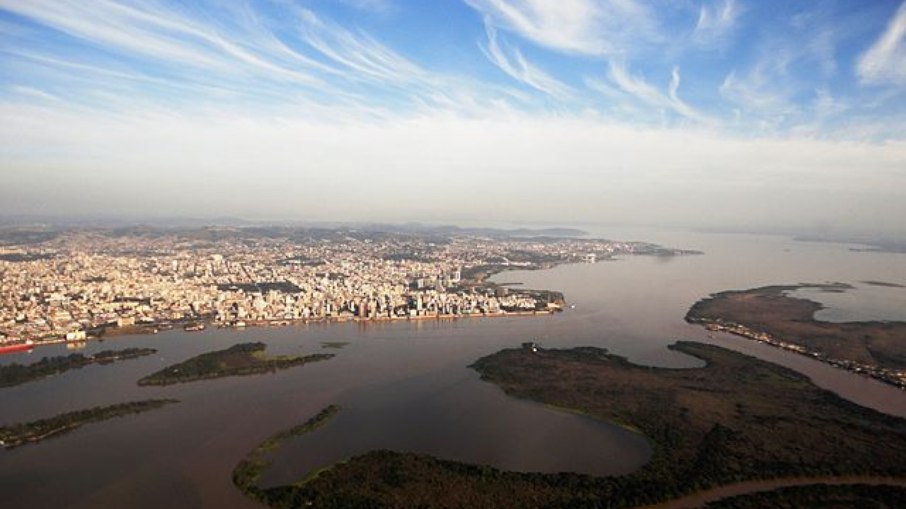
[23, 233]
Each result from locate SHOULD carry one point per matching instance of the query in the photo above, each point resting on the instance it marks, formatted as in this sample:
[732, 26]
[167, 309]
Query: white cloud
[826, 105]
[35, 93]
[885, 61]
[761, 96]
[159, 33]
[716, 22]
[647, 93]
[518, 68]
[594, 27]
[358, 53]
[370, 5]
[296, 61]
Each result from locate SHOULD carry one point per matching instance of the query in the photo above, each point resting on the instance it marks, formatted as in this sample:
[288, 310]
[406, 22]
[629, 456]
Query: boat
[193, 326]
[17, 347]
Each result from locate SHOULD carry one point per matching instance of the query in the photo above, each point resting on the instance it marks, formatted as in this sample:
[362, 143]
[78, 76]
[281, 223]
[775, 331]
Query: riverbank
[147, 330]
[768, 315]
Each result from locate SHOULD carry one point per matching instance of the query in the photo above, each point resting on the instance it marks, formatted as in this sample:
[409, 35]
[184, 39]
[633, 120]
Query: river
[406, 385]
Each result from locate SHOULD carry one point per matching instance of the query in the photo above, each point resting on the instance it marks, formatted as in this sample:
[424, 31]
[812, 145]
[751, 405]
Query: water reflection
[863, 302]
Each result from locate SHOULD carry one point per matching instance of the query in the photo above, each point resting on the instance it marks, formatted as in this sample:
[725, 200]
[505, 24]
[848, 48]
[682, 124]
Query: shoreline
[554, 300]
[151, 330]
[767, 315]
[765, 338]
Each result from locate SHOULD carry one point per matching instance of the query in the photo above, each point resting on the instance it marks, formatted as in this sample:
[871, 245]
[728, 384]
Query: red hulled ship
[17, 347]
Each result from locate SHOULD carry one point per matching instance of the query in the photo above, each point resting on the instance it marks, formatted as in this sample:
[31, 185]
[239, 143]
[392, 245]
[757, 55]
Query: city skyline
[715, 114]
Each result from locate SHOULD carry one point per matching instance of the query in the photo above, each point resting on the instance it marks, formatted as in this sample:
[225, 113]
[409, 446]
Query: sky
[715, 113]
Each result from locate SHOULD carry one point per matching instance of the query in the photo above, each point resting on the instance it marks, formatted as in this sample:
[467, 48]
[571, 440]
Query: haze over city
[720, 113]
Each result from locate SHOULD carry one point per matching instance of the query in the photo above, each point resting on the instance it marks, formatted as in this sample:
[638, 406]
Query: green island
[736, 419]
[16, 374]
[768, 314]
[32, 432]
[249, 470]
[884, 284]
[238, 360]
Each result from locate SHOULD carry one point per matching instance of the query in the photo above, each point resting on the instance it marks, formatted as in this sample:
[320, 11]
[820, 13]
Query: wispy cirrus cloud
[787, 83]
[716, 22]
[758, 101]
[885, 61]
[370, 5]
[288, 98]
[35, 93]
[517, 67]
[287, 56]
[639, 88]
[295, 58]
[592, 27]
[360, 56]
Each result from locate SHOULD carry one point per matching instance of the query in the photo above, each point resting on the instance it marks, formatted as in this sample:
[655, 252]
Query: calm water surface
[406, 386]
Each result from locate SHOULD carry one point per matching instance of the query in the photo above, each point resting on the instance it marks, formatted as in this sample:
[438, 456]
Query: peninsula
[727, 422]
[32, 432]
[16, 374]
[238, 360]
[249, 470]
[768, 314]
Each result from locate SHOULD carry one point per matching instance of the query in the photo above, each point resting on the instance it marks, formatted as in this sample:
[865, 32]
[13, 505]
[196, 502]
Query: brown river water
[406, 385]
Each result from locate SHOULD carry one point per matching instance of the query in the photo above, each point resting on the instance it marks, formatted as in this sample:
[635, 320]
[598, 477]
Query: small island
[16, 374]
[33, 432]
[238, 360]
[883, 284]
[736, 419]
[768, 314]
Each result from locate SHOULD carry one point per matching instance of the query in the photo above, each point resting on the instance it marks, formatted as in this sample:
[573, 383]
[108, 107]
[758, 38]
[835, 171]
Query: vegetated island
[238, 360]
[16, 374]
[736, 419]
[885, 284]
[249, 470]
[32, 432]
[769, 315]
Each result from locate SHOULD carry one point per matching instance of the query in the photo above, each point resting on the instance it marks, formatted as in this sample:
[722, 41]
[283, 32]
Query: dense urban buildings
[87, 282]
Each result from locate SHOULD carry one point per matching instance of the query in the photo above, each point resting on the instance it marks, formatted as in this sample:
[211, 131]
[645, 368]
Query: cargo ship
[17, 347]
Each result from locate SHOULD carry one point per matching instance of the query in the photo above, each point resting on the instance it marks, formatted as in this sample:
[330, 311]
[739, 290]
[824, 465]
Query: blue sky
[360, 109]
